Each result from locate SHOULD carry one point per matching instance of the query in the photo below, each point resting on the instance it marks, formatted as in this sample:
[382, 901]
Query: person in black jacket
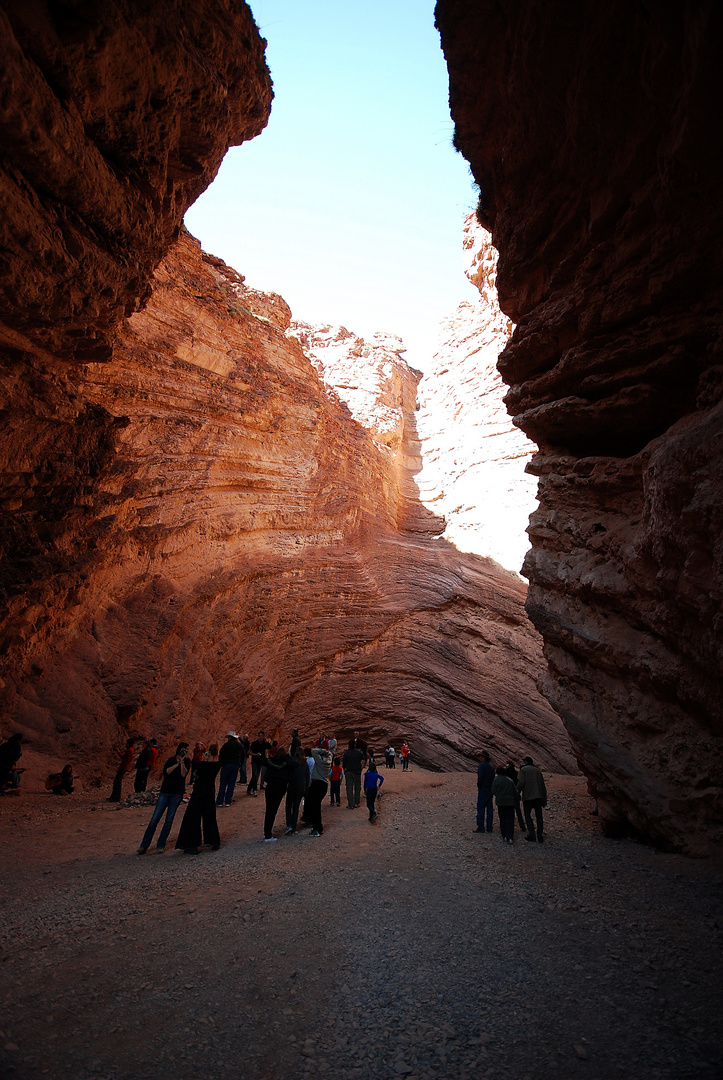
[258, 760]
[485, 778]
[511, 771]
[173, 788]
[278, 774]
[201, 809]
[229, 759]
[352, 763]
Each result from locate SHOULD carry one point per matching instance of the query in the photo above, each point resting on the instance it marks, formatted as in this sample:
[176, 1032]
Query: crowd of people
[513, 792]
[300, 778]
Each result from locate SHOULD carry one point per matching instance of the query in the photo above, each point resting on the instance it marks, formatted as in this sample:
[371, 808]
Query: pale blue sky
[351, 202]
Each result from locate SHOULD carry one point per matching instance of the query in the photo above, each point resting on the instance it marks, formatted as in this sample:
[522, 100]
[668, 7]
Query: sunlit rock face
[249, 555]
[588, 128]
[474, 458]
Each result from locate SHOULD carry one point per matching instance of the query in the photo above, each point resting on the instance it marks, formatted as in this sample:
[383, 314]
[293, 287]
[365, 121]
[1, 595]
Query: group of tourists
[513, 792]
[299, 777]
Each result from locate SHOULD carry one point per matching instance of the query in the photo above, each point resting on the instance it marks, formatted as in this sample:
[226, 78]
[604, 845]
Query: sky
[350, 204]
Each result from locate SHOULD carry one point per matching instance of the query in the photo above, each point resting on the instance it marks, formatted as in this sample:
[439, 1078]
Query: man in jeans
[173, 787]
[230, 760]
[352, 764]
[485, 778]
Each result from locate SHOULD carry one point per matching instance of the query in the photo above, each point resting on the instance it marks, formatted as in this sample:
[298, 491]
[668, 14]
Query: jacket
[485, 776]
[352, 761]
[531, 784]
[231, 753]
[503, 790]
[322, 764]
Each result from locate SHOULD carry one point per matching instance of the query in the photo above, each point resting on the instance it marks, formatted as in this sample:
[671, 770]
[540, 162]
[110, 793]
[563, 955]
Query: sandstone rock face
[588, 129]
[473, 457]
[246, 554]
[114, 118]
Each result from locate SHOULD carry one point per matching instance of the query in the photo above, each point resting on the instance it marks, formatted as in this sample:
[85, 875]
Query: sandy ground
[413, 947]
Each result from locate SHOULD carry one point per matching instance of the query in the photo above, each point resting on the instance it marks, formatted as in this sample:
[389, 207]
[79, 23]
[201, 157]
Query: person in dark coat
[352, 763]
[485, 777]
[201, 809]
[173, 788]
[230, 761]
[511, 771]
[278, 774]
[126, 757]
[295, 742]
[297, 789]
[503, 792]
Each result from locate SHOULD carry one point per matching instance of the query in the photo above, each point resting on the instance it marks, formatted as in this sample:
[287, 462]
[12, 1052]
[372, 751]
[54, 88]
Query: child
[335, 781]
[372, 782]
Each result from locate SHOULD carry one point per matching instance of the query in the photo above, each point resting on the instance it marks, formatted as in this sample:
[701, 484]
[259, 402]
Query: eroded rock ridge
[588, 130]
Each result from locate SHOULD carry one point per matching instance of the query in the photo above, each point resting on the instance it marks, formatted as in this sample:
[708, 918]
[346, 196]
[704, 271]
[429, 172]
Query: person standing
[126, 757]
[503, 792]
[390, 757]
[511, 771]
[372, 782]
[258, 758]
[485, 776]
[200, 813]
[198, 751]
[173, 787]
[278, 774]
[405, 752]
[144, 763]
[298, 786]
[230, 761]
[317, 789]
[531, 786]
[360, 745]
[352, 763]
[335, 781]
[332, 745]
[295, 742]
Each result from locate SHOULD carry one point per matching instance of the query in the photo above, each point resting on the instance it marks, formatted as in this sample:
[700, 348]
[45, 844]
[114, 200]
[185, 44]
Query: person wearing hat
[229, 759]
[531, 786]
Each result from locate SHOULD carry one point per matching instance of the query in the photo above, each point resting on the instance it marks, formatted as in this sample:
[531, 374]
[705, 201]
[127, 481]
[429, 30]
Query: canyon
[199, 533]
[212, 517]
[588, 131]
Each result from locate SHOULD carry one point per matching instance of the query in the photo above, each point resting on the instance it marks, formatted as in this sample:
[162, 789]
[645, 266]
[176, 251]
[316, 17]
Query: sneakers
[270, 839]
[288, 830]
[508, 841]
[373, 817]
[141, 851]
[314, 833]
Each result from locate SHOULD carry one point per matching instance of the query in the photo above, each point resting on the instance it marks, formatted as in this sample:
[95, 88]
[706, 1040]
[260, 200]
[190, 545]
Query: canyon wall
[590, 131]
[474, 458]
[250, 555]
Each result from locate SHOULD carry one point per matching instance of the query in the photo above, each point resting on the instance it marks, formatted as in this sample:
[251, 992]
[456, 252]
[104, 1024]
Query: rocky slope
[248, 554]
[473, 457]
[588, 129]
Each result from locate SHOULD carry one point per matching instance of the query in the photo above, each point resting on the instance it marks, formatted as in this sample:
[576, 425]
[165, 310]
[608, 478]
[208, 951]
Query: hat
[232, 735]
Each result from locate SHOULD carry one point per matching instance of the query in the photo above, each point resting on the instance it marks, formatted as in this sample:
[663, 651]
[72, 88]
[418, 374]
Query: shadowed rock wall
[590, 131]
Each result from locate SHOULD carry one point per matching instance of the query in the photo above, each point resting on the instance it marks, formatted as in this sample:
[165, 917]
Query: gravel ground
[412, 947]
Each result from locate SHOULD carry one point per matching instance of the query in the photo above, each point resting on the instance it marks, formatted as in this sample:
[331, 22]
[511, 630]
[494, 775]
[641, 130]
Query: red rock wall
[248, 556]
[591, 131]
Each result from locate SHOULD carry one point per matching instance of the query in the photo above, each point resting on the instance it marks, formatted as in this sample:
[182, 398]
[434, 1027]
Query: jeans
[293, 802]
[484, 808]
[226, 784]
[170, 804]
[353, 788]
[507, 821]
[312, 804]
[335, 792]
[255, 770]
[536, 805]
[405, 764]
[371, 797]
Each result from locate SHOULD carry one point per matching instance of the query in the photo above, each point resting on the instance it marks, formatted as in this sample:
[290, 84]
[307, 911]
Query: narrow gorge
[215, 515]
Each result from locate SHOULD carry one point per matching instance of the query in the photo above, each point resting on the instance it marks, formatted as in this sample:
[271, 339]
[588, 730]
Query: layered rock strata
[588, 130]
[473, 457]
[249, 555]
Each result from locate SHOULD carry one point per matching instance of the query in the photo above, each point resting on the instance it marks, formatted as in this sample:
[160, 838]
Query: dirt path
[413, 947]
